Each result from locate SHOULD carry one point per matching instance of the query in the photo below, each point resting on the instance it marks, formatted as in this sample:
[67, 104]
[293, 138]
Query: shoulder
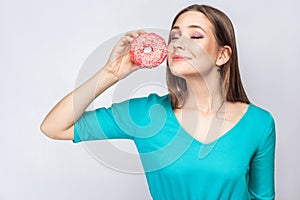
[136, 114]
[137, 107]
[146, 101]
[257, 121]
[261, 122]
[261, 114]
[152, 98]
[249, 109]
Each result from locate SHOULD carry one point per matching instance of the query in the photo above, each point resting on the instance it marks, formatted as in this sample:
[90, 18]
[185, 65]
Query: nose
[178, 44]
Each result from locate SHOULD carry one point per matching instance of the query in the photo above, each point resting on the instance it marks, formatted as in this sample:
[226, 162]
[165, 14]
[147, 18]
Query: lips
[180, 58]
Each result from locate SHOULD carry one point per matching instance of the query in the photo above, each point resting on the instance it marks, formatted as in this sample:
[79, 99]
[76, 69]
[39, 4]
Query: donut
[148, 50]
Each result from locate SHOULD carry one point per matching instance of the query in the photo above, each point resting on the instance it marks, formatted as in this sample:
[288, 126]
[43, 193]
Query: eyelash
[196, 37]
[192, 37]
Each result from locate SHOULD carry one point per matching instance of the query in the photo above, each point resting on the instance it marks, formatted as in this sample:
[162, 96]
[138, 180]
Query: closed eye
[174, 36]
[196, 37]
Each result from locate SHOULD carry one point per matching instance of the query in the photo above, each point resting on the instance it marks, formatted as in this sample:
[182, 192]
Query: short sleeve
[261, 174]
[98, 124]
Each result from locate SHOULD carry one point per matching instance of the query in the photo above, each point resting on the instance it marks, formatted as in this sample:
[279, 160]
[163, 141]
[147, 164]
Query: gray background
[43, 45]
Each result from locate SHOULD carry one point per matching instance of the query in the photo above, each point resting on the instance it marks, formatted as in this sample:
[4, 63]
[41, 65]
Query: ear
[224, 55]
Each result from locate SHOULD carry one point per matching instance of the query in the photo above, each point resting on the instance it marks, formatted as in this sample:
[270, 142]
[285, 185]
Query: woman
[229, 154]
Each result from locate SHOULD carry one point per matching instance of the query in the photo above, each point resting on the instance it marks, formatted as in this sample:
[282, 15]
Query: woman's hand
[119, 62]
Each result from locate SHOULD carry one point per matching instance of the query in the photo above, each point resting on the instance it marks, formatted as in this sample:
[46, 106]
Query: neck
[203, 94]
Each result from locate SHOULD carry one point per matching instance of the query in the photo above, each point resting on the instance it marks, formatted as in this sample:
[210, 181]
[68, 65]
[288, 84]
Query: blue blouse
[238, 165]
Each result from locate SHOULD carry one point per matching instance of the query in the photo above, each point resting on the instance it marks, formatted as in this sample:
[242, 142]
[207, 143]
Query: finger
[125, 40]
[135, 33]
[141, 31]
[132, 34]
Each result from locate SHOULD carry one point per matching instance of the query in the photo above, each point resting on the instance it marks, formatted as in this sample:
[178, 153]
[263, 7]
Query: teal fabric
[239, 165]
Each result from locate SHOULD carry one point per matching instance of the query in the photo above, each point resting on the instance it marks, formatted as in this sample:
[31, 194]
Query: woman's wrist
[109, 70]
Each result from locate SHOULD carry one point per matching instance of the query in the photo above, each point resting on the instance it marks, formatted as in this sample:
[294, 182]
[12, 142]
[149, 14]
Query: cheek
[201, 48]
[170, 53]
[170, 49]
[202, 53]
[210, 47]
[203, 58]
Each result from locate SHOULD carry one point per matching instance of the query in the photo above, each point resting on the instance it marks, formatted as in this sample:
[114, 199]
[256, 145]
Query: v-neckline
[172, 114]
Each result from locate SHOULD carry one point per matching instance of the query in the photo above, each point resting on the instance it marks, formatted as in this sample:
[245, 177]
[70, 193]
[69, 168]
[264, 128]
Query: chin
[182, 69]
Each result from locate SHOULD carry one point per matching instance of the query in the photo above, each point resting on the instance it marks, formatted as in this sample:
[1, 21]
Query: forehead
[193, 18]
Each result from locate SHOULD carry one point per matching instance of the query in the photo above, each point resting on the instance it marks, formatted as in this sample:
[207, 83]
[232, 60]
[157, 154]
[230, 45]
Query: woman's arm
[59, 122]
[261, 183]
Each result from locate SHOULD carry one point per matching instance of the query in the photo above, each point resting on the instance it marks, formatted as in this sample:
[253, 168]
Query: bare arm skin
[59, 122]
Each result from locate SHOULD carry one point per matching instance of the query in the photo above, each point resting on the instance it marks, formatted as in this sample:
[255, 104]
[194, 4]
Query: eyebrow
[190, 26]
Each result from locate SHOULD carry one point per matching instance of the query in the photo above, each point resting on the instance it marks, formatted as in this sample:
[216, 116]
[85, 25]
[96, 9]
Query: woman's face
[193, 48]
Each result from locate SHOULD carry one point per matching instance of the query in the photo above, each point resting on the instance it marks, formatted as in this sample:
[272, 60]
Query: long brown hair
[230, 75]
